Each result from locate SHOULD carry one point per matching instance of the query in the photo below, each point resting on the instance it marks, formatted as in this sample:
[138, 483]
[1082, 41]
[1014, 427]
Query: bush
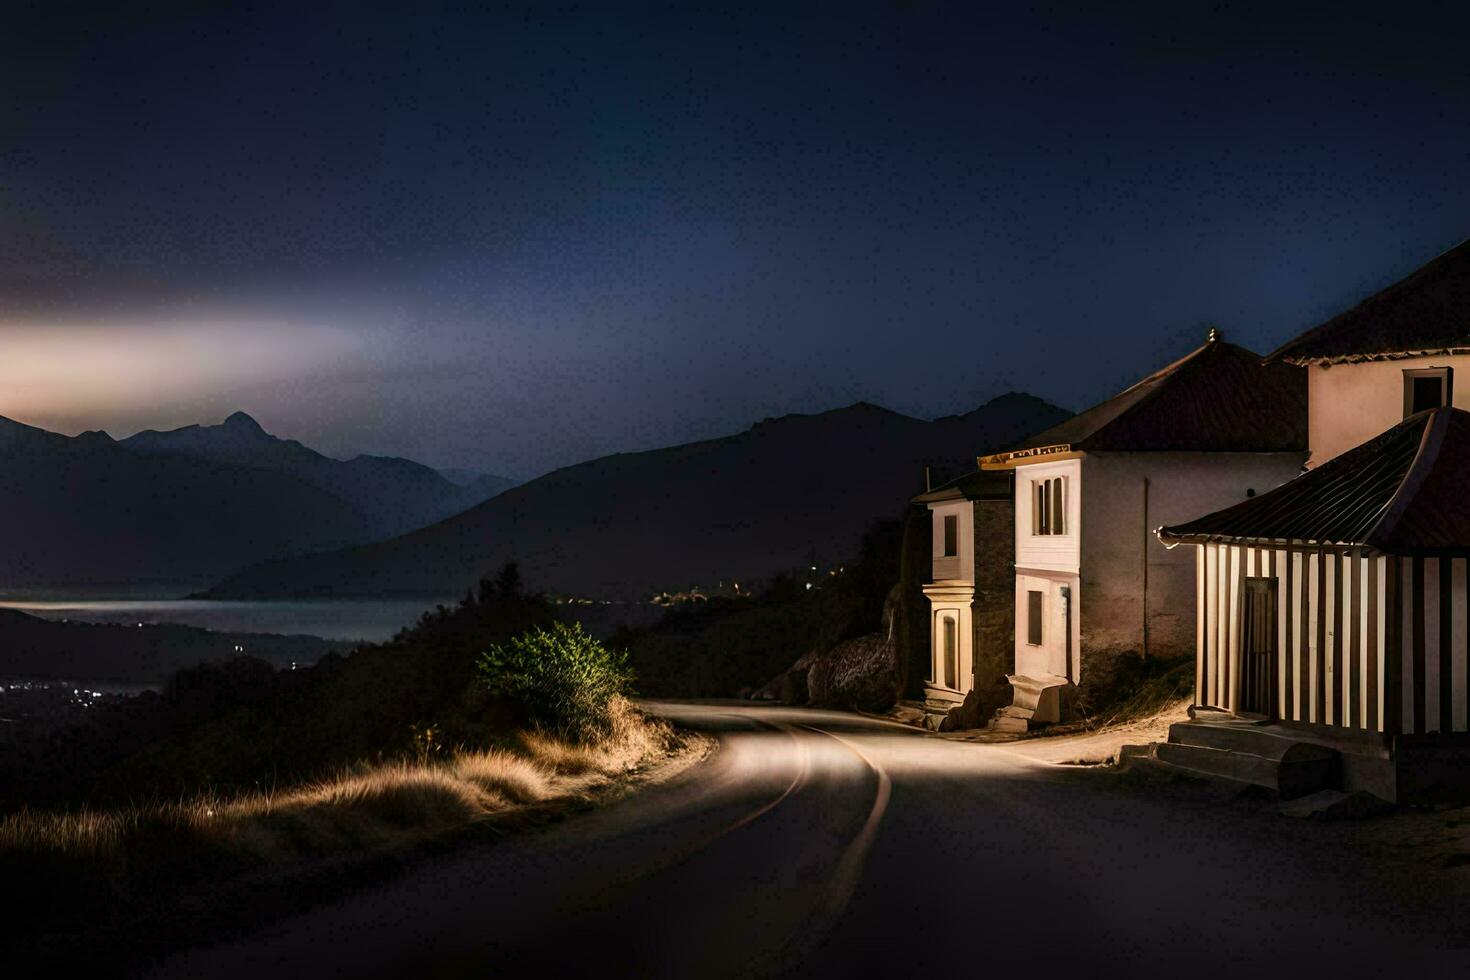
[564, 679]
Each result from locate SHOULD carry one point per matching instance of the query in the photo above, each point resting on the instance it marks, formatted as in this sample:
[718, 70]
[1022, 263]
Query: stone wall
[994, 609]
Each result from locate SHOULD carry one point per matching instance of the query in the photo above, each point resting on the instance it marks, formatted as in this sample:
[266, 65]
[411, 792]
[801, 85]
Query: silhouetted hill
[791, 490]
[85, 509]
[394, 495]
[40, 649]
[486, 485]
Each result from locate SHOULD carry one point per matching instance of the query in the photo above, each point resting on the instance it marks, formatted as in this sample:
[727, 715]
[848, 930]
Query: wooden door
[1258, 649]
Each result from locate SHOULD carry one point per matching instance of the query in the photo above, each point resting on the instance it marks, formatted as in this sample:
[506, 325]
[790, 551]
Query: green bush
[564, 679]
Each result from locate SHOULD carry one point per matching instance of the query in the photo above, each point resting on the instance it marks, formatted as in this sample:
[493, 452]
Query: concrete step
[1242, 737]
[1241, 767]
[1129, 755]
[1005, 723]
[1288, 775]
[1014, 711]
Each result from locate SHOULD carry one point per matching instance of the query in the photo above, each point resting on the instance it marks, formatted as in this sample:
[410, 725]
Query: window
[951, 653]
[1427, 388]
[1033, 618]
[1049, 506]
[951, 535]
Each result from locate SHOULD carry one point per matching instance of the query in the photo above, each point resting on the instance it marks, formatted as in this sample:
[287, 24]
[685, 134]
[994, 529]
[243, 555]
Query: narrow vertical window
[1033, 618]
[951, 653]
[1049, 506]
[951, 535]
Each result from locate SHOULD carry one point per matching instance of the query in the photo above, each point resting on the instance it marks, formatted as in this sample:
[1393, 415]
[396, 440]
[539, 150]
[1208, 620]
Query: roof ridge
[1429, 442]
[1281, 352]
[1169, 370]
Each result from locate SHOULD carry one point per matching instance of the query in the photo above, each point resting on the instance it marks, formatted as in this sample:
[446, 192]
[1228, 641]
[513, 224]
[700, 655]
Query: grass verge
[85, 865]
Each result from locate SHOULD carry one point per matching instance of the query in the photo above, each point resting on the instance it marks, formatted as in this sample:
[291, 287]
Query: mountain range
[194, 504]
[394, 495]
[787, 492]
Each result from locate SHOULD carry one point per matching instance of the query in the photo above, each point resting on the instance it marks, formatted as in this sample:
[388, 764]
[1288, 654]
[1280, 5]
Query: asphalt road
[822, 844]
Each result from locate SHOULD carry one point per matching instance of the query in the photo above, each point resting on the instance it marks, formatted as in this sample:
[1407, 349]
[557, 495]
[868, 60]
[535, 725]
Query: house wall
[975, 587]
[1051, 552]
[1117, 540]
[1051, 656]
[1372, 643]
[960, 567]
[994, 615]
[951, 602]
[1348, 404]
[1047, 564]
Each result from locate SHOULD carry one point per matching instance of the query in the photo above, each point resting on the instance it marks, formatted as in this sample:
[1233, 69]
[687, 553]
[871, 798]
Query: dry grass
[88, 854]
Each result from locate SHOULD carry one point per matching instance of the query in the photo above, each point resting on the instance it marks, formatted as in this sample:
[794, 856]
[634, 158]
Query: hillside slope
[394, 495]
[788, 491]
[86, 510]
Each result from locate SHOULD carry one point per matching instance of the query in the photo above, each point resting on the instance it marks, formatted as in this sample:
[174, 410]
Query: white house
[1091, 580]
[969, 592]
[1396, 353]
[1331, 612]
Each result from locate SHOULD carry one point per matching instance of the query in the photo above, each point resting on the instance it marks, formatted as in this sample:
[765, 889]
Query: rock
[978, 708]
[862, 673]
[1331, 804]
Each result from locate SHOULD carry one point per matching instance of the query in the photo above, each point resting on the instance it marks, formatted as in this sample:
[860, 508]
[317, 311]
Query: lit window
[1049, 506]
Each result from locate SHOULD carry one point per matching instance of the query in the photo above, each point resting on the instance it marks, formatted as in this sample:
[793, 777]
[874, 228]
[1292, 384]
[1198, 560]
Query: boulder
[862, 673]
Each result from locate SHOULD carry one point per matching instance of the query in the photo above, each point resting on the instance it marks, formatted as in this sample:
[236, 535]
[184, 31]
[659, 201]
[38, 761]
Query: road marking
[803, 772]
[850, 868]
[804, 768]
[844, 880]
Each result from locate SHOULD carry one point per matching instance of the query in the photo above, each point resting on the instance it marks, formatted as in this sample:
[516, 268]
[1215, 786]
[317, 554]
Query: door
[1258, 649]
[951, 654]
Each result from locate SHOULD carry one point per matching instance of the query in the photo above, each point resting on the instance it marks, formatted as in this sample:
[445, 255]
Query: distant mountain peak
[243, 423]
[860, 410]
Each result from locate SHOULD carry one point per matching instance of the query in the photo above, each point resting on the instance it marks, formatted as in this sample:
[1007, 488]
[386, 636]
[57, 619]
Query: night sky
[518, 239]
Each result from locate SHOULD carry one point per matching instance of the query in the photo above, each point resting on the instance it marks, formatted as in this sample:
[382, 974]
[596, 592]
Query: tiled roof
[1402, 492]
[1219, 398]
[975, 485]
[1427, 312]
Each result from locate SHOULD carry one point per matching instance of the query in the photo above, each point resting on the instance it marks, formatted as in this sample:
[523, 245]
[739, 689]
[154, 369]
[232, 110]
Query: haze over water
[371, 620]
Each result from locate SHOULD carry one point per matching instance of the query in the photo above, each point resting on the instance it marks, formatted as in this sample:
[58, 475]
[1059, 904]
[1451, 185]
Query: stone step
[1290, 777]
[1240, 737]
[1006, 723]
[1241, 767]
[1014, 711]
[1128, 755]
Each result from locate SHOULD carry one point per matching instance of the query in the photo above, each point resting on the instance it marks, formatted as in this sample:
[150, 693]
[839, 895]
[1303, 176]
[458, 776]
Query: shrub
[564, 679]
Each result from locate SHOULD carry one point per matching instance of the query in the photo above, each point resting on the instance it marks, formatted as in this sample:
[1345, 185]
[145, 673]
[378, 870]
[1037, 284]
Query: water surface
[372, 620]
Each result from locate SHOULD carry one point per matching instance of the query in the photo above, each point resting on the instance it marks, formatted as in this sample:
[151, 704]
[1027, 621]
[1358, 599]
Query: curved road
[824, 844]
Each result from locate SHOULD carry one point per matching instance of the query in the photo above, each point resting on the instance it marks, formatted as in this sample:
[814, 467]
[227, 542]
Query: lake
[373, 620]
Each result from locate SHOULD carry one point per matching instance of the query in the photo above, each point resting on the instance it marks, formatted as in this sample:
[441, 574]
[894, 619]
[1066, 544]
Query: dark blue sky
[517, 239]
